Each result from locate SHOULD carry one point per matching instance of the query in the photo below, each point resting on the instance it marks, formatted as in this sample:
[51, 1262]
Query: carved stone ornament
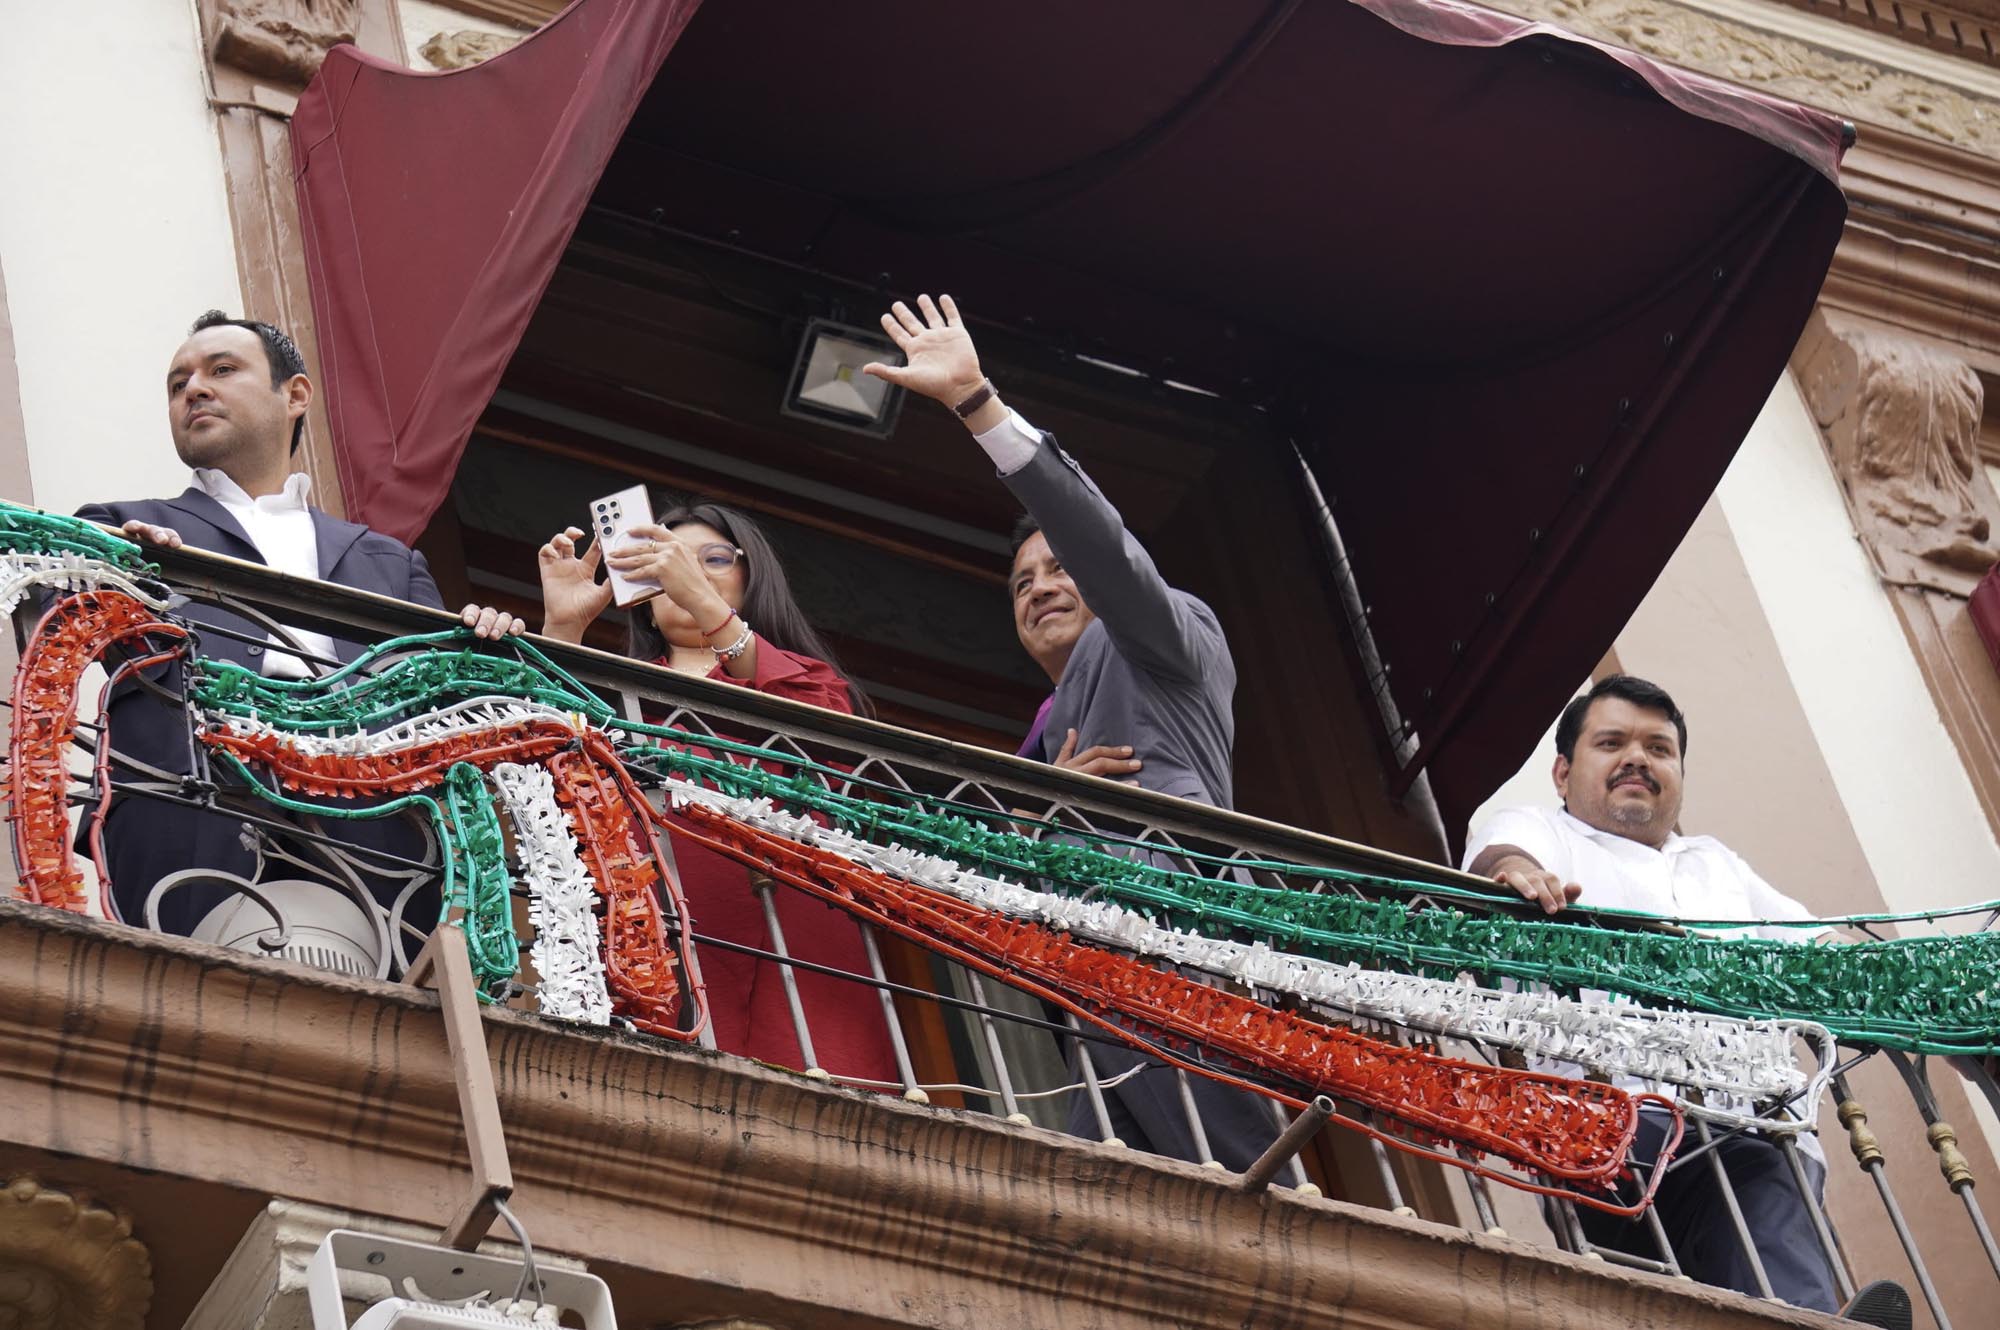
[1857, 89]
[68, 1265]
[1901, 422]
[457, 50]
[282, 40]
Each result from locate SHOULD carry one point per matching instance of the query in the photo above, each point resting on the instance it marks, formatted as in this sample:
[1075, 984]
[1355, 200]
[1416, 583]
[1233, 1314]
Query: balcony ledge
[715, 1181]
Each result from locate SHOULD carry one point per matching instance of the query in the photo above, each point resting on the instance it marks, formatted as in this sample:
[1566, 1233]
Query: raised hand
[658, 554]
[941, 362]
[571, 594]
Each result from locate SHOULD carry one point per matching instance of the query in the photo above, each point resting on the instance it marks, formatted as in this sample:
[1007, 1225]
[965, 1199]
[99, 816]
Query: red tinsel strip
[413, 766]
[71, 636]
[619, 849]
[618, 843]
[1578, 1131]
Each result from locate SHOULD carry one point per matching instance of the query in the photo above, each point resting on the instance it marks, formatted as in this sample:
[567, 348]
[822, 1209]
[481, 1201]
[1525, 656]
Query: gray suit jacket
[1154, 670]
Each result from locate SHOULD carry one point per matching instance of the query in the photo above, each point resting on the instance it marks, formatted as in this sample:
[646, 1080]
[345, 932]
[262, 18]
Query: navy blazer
[349, 554]
[144, 839]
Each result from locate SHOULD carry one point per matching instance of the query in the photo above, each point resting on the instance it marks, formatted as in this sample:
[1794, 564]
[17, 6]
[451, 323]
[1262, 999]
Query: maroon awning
[1518, 296]
[434, 208]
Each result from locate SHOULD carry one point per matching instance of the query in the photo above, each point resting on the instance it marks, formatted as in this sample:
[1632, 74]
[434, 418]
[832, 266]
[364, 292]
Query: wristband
[719, 627]
[980, 397]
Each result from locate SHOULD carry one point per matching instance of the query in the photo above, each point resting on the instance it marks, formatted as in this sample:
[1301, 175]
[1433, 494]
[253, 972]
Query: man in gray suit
[1142, 673]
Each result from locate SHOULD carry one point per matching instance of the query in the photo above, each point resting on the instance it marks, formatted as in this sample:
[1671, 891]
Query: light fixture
[429, 1287]
[313, 923]
[827, 385]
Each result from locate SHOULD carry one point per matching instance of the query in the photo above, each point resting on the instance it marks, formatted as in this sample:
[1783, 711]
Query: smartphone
[611, 520]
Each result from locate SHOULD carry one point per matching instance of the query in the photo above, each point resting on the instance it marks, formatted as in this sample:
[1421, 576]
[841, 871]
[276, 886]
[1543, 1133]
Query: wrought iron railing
[1016, 1056]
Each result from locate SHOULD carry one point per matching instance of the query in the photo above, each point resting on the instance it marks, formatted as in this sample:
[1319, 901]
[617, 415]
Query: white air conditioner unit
[417, 1286]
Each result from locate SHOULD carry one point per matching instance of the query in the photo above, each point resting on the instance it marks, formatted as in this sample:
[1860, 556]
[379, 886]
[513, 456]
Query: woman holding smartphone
[726, 611]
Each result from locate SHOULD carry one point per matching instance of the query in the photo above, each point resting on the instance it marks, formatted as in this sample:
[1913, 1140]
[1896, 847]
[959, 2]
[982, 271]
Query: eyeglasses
[717, 557]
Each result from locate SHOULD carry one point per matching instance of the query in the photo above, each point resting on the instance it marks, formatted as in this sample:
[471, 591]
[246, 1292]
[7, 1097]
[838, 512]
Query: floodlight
[827, 384]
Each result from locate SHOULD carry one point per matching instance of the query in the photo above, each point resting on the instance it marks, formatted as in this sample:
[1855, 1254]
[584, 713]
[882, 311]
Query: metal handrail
[339, 610]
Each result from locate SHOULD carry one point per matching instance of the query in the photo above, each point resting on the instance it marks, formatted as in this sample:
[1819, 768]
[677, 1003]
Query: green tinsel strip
[359, 698]
[29, 531]
[1932, 994]
[481, 874]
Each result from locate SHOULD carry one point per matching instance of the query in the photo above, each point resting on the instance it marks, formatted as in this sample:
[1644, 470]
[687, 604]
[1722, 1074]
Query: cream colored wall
[114, 233]
[1896, 770]
[1805, 701]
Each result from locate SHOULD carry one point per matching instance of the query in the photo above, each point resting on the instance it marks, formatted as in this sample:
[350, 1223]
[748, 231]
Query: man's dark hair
[1024, 528]
[280, 350]
[1638, 692]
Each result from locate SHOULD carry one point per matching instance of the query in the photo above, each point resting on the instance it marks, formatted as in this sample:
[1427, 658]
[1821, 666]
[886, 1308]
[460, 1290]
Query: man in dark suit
[237, 396]
[1143, 679]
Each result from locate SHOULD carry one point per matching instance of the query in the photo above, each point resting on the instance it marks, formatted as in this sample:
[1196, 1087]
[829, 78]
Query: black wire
[270, 824]
[889, 986]
[278, 648]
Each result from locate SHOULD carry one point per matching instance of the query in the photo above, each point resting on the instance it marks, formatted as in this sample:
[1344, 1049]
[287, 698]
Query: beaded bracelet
[736, 648]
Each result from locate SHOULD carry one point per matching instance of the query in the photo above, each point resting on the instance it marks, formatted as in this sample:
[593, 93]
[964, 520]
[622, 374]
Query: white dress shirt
[1011, 443]
[281, 527]
[1689, 877]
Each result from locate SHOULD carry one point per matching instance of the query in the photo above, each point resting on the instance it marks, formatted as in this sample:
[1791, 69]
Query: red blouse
[791, 676]
[745, 994]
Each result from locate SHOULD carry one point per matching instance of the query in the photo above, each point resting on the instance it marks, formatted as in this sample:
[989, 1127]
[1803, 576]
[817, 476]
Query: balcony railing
[961, 1036]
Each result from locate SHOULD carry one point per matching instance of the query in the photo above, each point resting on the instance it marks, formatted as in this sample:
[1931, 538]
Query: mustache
[1626, 773]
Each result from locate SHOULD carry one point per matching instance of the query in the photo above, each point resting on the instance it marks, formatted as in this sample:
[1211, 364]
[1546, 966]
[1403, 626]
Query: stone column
[260, 56]
[1901, 419]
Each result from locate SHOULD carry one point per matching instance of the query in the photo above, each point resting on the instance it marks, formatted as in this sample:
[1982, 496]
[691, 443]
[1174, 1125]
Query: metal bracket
[444, 964]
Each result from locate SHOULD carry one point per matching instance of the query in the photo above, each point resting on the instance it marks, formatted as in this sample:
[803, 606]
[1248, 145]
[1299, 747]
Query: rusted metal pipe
[1304, 1127]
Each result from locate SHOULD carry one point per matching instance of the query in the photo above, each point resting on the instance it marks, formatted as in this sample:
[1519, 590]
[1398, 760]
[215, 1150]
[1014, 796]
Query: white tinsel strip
[568, 948]
[22, 573]
[472, 714]
[1671, 1049]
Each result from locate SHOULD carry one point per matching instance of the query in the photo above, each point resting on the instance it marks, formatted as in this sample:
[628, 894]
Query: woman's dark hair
[768, 605]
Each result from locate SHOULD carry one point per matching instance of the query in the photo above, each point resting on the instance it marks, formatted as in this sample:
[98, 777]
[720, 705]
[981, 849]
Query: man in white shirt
[237, 395]
[1620, 750]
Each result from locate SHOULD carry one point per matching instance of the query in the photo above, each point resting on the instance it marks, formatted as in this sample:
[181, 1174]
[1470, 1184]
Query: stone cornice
[1870, 79]
[1968, 28]
[738, 1181]
[1921, 252]
[521, 13]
